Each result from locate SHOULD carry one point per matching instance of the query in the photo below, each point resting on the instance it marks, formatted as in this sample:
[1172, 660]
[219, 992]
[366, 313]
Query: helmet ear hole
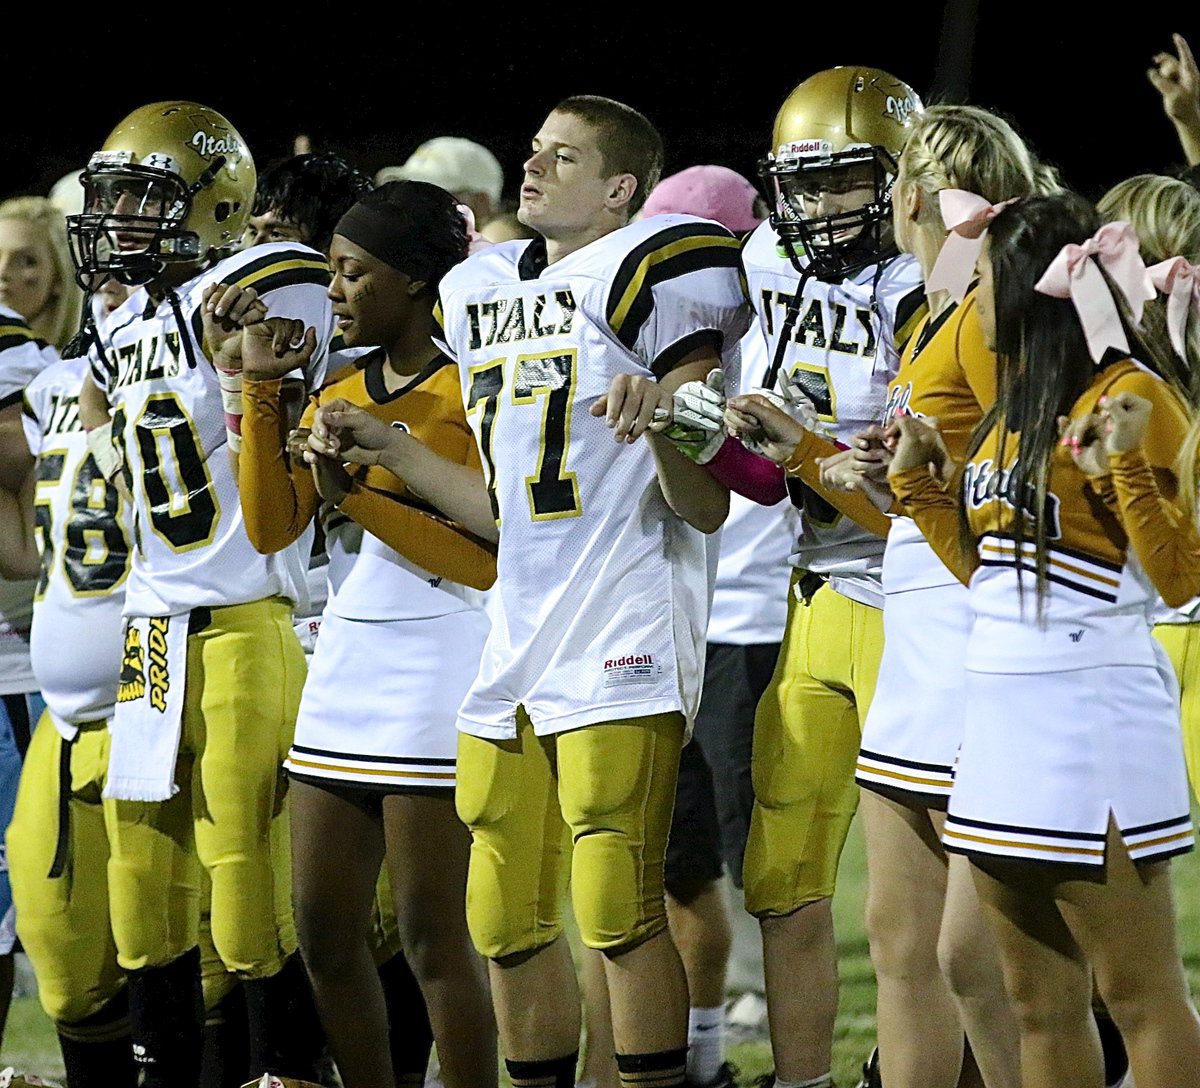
[223, 211]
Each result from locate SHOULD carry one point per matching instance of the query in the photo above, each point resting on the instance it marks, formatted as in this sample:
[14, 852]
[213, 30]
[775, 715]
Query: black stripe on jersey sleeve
[27, 409]
[669, 358]
[911, 310]
[722, 253]
[11, 399]
[290, 277]
[13, 336]
[253, 268]
[694, 260]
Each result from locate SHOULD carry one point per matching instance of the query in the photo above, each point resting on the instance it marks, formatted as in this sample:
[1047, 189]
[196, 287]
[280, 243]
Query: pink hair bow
[967, 218]
[1075, 274]
[1180, 282]
[475, 240]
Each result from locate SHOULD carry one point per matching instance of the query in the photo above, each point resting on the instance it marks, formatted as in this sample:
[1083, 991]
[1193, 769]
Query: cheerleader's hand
[1084, 437]
[1126, 417]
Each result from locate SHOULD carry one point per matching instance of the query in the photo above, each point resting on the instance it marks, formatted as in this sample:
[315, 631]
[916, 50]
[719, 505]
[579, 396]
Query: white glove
[790, 398]
[697, 428]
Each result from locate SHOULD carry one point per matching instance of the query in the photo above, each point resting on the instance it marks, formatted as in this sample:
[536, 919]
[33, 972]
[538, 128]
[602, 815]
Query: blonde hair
[965, 147]
[1165, 212]
[60, 319]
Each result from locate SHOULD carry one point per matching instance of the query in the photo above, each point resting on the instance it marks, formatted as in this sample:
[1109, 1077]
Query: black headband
[387, 233]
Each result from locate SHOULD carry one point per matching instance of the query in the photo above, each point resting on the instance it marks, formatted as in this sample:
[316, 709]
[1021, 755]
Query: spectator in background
[1177, 79]
[301, 199]
[66, 194]
[37, 279]
[462, 167]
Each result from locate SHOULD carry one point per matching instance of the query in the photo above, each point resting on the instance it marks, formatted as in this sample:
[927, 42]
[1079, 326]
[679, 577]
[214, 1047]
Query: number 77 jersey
[602, 592]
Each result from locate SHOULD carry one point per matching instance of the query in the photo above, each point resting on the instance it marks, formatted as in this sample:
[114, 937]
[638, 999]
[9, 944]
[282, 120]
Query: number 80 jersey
[190, 544]
[601, 588]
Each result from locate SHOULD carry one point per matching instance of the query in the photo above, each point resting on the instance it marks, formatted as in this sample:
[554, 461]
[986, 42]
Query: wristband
[107, 456]
[230, 382]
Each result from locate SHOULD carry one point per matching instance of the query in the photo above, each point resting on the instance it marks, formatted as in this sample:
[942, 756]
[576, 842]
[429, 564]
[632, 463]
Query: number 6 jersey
[191, 548]
[602, 591]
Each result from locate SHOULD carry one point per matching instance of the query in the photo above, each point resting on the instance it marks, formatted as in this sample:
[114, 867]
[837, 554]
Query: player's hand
[763, 427]
[789, 396]
[628, 406]
[344, 431]
[698, 427]
[224, 311]
[920, 443]
[1126, 417]
[1084, 437]
[1177, 79]
[275, 347]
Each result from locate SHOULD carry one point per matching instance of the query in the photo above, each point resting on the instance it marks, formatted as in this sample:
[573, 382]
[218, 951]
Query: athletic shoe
[746, 1019]
[726, 1078]
[870, 1073]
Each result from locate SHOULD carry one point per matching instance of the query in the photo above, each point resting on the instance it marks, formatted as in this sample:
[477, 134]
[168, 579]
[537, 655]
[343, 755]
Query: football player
[58, 846]
[22, 357]
[204, 714]
[572, 731]
[833, 298]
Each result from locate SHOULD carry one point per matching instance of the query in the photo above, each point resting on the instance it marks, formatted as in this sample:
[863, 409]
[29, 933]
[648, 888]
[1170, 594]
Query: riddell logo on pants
[630, 669]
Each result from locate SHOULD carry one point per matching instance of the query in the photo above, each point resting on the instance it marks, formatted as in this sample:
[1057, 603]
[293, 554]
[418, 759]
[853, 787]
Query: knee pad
[618, 904]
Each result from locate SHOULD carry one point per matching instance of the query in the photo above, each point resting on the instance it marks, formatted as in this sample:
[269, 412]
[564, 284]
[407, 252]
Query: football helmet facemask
[840, 131]
[174, 183]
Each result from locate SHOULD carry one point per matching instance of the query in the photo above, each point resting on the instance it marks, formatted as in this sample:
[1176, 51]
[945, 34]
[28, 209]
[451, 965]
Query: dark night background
[375, 85]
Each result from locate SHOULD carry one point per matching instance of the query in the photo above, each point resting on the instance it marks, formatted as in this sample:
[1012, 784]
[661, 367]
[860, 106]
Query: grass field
[29, 1042]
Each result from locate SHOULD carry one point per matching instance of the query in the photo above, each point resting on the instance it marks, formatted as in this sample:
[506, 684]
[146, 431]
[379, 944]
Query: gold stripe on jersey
[673, 252]
[439, 318]
[14, 333]
[280, 271]
[911, 310]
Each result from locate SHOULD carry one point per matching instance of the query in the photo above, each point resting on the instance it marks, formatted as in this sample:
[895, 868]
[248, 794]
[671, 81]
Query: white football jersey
[750, 600]
[22, 357]
[76, 639]
[842, 354]
[602, 595]
[191, 548]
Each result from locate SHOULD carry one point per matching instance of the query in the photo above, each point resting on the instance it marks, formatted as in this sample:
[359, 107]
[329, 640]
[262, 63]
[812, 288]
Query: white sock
[706, 1044]
[824, 1081]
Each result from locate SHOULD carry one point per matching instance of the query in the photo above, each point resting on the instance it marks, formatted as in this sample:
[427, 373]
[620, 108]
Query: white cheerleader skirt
[1048, 759]
[915, 725]
[380, 704]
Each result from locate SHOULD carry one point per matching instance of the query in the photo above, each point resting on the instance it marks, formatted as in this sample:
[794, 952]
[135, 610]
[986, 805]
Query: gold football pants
[245, 670]
[592, 803]
[1182, 643]
[806, 738]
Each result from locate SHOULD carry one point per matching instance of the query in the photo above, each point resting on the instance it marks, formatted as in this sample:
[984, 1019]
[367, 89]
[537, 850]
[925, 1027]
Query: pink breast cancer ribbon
[1180, 282]
[1075, 274]
[967, 217]
[475, 240]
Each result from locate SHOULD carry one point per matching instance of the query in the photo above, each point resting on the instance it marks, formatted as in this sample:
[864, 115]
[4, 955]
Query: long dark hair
[1043, 365]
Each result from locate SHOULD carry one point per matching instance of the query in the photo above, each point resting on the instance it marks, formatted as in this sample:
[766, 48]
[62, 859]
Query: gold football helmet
[174, 183]
[840, 130]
